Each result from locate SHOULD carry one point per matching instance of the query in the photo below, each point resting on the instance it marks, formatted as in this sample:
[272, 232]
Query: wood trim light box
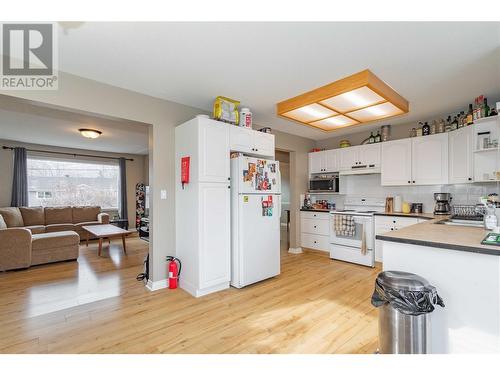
[354, 100]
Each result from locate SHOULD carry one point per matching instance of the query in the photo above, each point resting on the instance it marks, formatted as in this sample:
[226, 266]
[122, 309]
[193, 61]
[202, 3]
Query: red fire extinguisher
[174, 271]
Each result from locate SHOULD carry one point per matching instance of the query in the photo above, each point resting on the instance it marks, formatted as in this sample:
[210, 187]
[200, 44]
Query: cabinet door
[396, 162]
[332, 161]
[317, 162]
[215, 234]
[263, 144]
[241, 139]
[430, 160]
[369, 155]
[460, 156]
[349, 157]
[213, 152]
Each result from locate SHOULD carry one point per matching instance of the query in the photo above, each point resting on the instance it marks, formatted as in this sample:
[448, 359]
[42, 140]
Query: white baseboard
[191, 289]
[157, 285]
[295, 250]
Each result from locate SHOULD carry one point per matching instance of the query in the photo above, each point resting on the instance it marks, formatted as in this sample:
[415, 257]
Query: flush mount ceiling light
[354, 100]
[90, 133]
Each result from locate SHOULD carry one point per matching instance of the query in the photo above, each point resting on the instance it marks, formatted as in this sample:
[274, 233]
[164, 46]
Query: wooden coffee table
[106, 231]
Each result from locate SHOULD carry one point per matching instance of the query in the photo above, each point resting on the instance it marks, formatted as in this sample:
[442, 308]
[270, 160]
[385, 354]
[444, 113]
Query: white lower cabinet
[385, 224]
[315, 230]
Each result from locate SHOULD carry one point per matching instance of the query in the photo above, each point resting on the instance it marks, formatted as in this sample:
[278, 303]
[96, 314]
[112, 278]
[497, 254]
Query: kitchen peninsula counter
[453, 237]
[466, 275]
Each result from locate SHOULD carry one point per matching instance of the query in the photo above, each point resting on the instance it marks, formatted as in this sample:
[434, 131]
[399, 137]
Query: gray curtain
[20, 181]
[123, 188]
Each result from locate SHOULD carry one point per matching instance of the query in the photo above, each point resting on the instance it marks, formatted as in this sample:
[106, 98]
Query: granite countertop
[425, 215]
[461, 238]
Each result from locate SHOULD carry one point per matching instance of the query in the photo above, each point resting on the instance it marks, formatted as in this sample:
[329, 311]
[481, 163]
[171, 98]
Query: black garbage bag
[409, 302]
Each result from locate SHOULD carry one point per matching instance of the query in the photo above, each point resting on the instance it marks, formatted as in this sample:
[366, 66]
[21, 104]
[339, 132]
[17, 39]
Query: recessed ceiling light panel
[335, 122]
[310, 113]
[376, 112]
[352, 100]
[360, 98]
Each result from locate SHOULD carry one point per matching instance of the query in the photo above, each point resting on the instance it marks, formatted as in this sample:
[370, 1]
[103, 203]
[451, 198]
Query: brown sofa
[21, 249]
[53, 219]
[37, 235]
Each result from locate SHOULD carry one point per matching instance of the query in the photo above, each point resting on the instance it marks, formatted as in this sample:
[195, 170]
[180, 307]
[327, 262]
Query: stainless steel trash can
[404, 300]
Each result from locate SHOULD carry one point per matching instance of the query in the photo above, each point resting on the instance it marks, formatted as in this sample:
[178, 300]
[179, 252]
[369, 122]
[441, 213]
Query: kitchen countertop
[428, 215]
[315, 210]
[443, 236]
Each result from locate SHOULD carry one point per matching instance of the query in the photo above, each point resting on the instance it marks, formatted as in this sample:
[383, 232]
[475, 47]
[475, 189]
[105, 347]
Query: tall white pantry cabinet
[203, 228]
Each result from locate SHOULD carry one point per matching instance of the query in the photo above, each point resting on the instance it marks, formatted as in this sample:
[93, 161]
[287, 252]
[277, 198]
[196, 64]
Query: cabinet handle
[315, 226]
[409, 181]
[315, 242]
[392, 228]
[256, 149]
[470, 178]
[394, 221]
[229, 187]
[413, 181]
[229, 178]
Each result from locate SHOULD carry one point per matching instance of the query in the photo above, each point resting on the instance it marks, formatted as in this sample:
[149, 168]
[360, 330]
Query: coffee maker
[442, 206]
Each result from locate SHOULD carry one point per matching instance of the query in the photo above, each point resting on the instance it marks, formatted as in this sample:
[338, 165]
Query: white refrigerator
[255, 220]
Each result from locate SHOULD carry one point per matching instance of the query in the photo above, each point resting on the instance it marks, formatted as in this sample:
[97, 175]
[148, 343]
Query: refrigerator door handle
[278, 198]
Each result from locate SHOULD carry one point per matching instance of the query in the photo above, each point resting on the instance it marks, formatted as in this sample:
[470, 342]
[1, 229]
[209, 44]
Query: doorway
[284, 159]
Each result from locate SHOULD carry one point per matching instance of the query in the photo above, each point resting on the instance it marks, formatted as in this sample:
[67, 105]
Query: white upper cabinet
[460, 156]
[332, 160]
[396, 162]
[369, 155]
[241, 139]
[430, 159]
[252, 142]
[317, 162]
[348, 157]
[359, 156]
[263, 143]
[214, 163]
[324, 161]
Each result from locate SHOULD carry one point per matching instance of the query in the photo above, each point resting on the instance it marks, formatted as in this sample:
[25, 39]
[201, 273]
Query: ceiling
[24, 122]
[438, 67]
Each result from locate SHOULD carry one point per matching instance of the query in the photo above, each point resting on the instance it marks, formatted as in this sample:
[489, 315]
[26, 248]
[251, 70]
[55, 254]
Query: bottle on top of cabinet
[426, 129]
[245, 118]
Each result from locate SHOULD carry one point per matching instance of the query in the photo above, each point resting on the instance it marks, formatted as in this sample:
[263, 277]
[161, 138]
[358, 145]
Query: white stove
[359, 247]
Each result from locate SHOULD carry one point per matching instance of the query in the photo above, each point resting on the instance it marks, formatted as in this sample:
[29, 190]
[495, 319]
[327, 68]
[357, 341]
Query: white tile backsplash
[369, 186]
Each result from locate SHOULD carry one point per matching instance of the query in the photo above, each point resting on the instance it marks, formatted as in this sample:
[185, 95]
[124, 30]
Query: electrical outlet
[163, 194]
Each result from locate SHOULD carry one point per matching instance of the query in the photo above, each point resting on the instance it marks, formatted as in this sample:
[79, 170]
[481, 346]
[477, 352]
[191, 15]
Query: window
[68, 182]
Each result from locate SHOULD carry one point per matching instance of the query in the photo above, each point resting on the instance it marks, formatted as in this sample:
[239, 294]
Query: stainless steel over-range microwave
[324, 183]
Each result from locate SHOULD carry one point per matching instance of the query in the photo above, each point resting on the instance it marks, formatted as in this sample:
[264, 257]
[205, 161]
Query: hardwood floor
[96, 305]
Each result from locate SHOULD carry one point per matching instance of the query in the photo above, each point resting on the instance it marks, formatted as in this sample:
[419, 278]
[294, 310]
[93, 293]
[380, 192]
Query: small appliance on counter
[417, 208]
[442, 206]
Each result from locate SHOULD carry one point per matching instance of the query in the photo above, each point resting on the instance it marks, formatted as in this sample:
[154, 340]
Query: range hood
[361, 169]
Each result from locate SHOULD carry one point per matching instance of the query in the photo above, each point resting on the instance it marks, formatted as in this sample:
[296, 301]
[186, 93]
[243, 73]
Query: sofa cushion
[3, 225]
[58, 215]
[83, 214]
[53, 240]
[12, 216]
[36, 229]
[32, 216]
[59, 227]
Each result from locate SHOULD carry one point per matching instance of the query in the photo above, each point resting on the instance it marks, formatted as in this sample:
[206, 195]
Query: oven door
[324, 185]
[363, 224]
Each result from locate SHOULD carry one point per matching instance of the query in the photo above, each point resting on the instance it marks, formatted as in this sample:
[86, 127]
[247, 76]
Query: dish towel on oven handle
[344, 225]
